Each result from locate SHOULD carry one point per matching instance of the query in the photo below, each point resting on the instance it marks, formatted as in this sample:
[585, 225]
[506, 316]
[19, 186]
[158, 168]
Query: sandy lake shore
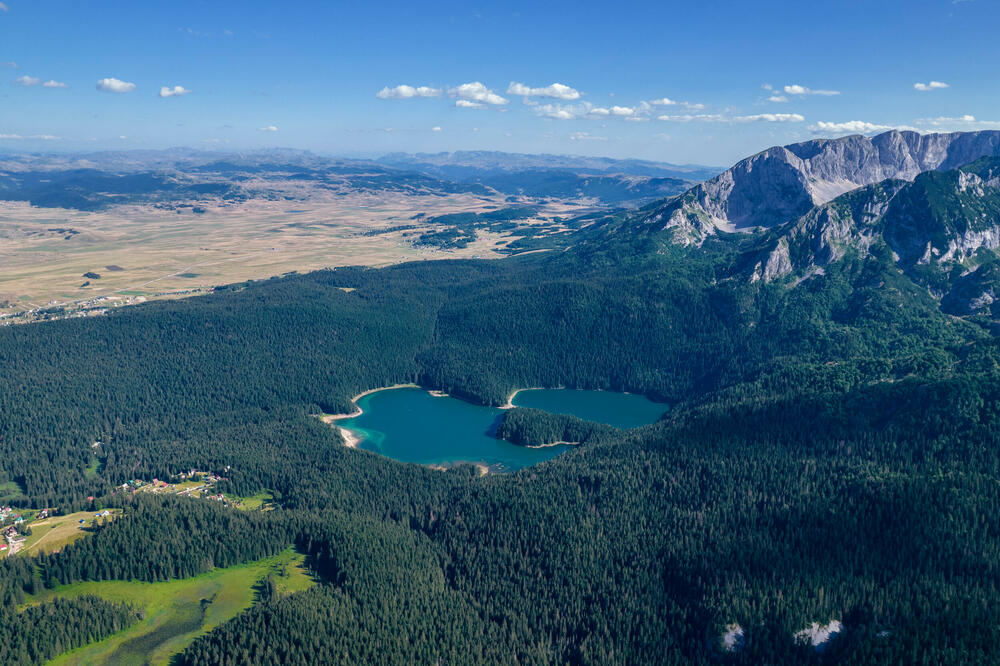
[510, 399]
[351, 439]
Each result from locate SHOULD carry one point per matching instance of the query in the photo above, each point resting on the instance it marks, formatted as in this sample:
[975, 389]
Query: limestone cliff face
[782, 184]
[942, 229]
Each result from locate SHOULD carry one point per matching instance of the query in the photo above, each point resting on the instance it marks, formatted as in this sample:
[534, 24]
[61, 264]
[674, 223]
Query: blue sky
[672, 81]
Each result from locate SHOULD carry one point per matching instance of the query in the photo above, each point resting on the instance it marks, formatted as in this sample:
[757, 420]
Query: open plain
[51, 255]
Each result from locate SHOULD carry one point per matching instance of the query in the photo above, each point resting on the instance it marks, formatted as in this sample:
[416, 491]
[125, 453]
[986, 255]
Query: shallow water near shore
[411, 425]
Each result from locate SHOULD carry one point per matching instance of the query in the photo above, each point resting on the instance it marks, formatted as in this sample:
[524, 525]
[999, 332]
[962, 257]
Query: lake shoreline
[351, 438]
[545, 446]
[355, 439]
[510, 399]
[330, 418]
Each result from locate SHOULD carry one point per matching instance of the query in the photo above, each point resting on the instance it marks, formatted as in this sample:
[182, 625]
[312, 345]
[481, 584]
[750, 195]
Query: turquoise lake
[411, 425]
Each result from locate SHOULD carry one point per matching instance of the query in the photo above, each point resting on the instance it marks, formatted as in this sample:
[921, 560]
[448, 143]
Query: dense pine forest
[831, 454]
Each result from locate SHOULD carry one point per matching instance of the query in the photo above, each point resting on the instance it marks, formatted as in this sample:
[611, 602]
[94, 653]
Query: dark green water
[411, 425]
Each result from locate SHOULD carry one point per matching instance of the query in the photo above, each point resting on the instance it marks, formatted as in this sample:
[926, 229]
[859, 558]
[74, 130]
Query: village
[193, 483]
[91, 307]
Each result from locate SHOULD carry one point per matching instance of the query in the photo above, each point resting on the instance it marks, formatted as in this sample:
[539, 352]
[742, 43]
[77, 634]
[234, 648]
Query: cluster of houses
[13, 540]
[93, 307]
[207, 479]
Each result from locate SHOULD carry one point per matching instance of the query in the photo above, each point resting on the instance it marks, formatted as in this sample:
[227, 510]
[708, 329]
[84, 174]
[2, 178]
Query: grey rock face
[783, 183]
[935, 226]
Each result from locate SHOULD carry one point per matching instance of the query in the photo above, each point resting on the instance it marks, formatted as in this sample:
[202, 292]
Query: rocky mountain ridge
[784, 183]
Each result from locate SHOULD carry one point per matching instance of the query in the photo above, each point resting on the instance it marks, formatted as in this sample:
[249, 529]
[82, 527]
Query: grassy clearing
[55, 533]
[91, 470]
[10, 490]
[262, 501]
[178, 611]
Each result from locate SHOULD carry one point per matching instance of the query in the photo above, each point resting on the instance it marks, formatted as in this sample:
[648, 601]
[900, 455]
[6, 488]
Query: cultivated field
[145, 252]
[177, 611]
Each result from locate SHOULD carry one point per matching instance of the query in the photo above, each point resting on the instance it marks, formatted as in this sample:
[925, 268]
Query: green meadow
[176, 612]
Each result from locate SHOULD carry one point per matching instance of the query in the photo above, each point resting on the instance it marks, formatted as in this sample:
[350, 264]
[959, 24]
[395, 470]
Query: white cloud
[961, 122]
[584, 136]
[114, 85]
[719, 118]
[554, 91]
[3, 7]
[778, 99]
[269, 128]
[697, 118]
[666, 101]
[944, 120]
[930, 85]
[573, 111]
[435, 129]
[559, 112]
[476, 92]
[42, 137]
[407, 92]
[176, 91]
[796, 89]
[854, 127]
[28, 81]
[9, 64]
[766, 86]
[637, 113]
[466, 104]
[771, 118]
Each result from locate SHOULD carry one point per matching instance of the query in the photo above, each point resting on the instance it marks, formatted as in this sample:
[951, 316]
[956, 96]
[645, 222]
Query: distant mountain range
[92, 181]
[463, 163]
[625, 182]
